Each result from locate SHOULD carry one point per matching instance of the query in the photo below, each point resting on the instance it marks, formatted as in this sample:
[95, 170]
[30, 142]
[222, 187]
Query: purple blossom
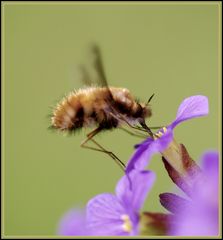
[197, 216]
[118, 214]
[111, 214]
[73, 223]
[191, 107]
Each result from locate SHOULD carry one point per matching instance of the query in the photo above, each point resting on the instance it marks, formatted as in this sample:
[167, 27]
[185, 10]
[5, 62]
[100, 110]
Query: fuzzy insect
[91, 106]
[102, 107]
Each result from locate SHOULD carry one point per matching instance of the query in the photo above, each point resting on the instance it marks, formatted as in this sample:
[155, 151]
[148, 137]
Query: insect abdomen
[69, 113]
[81, 109]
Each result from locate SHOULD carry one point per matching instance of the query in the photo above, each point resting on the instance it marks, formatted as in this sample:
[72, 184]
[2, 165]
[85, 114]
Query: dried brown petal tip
[154, 223]
[190, 173]
[190, 166]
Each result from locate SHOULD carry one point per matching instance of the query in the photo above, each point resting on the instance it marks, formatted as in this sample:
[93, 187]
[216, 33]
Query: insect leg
[120, 163]
[119, 117]
[100, 148]
[144, 128]
[134, 133]
[159, 127]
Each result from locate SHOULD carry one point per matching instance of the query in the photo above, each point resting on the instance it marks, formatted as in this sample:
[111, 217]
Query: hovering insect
[103, 107]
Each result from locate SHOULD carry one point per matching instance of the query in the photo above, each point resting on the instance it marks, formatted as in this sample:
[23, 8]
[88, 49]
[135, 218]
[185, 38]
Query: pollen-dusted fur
[93, 106]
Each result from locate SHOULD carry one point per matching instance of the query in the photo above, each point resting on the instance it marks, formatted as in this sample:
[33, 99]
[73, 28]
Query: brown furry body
[94, 106]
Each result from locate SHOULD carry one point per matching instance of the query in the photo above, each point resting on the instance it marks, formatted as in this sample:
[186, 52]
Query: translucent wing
[98, 65]
[95, 74]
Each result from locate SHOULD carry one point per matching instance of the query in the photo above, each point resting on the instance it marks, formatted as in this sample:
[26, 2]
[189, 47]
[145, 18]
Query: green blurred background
[166, 49]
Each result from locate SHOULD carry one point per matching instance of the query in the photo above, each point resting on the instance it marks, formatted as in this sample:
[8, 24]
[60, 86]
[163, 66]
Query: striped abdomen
[90, 107]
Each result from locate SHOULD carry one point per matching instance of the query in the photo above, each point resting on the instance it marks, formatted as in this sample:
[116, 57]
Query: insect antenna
[150, 99]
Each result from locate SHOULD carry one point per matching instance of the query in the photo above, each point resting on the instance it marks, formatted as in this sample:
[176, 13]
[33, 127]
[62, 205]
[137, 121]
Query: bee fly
[101, 106]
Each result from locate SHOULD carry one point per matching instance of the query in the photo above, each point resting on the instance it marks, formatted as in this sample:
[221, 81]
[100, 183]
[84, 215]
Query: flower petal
[147, 149]
[201, 216]
[210, 165]
[104, 215]
[207, 188]
[133, 191]
[73, 224]
[196, 220]
[192, 107]
[173, 202]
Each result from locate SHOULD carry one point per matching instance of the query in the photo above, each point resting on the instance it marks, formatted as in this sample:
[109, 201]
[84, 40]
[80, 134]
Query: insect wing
[95, 74]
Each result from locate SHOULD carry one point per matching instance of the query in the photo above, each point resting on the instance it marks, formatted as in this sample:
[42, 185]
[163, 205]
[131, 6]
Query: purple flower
[191, 107]
[197, 216]
[118, 215]
[73, 223]
[108, 214]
